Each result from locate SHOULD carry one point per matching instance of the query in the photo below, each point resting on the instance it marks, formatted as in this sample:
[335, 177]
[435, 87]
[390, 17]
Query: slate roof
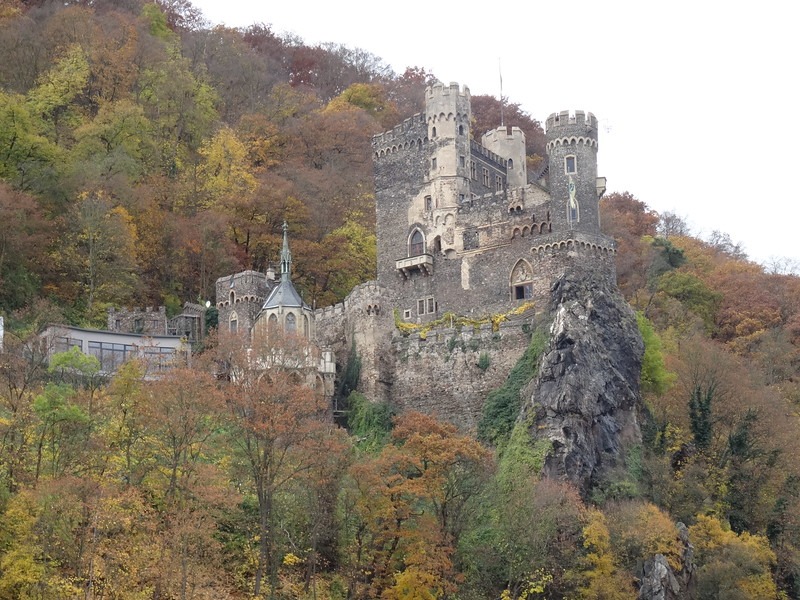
[284, 294]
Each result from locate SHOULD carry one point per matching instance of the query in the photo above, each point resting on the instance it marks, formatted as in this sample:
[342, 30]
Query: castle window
[233, 323]
[462, 161]
[433, 132]
[510, 164]
[291, 323]
[570, 166]
[406, 314]
[460, 130]
[433, 163]
[426, 306]
[461, 197]
[523, 292]
[416, 244]
[428, 203]
[305, 326]
[486, 177]
[473, 171]
[272, 322]
[498, 183]
[522, 281]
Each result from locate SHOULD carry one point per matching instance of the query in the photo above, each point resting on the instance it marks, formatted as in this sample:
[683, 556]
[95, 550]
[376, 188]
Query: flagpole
[500, 71]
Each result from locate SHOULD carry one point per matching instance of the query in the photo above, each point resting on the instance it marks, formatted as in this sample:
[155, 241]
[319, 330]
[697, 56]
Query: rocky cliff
[585, 397]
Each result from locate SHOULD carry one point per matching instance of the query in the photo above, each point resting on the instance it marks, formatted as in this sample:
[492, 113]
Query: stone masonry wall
[443, 375]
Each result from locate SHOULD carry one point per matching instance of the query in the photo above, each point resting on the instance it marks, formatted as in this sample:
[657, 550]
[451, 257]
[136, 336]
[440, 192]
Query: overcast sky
[698, 101]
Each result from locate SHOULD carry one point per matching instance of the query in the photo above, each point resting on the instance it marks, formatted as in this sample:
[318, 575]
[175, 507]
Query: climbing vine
[452, 320]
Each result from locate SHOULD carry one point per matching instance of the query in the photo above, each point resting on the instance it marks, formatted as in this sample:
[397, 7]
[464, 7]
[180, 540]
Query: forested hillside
[144, 154]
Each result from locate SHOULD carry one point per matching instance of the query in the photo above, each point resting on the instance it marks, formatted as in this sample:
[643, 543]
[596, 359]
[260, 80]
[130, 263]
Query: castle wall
[147, 321]
[401, 170]
[442, 375]
[364, 321]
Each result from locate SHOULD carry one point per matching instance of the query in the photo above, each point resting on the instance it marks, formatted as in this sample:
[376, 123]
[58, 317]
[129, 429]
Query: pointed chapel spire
[286, 256]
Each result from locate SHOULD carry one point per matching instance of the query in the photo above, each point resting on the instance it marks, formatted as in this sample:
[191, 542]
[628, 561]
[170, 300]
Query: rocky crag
[584, 399]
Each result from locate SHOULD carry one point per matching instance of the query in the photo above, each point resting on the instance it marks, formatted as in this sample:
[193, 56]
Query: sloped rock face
[585, 397]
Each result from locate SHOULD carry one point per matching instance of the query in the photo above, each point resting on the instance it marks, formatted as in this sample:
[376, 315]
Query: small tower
[572, 151]
[509, 142]
[239, 299]
[284, 309]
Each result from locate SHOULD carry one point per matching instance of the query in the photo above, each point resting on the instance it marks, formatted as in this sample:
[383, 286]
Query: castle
[462, 229]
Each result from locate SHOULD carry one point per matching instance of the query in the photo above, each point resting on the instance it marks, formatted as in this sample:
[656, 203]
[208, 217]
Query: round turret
[572, 151]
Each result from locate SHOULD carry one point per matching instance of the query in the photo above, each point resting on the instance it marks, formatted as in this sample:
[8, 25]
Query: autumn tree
[280, 427]
[102, 251]
[407, 510]
[26, 234]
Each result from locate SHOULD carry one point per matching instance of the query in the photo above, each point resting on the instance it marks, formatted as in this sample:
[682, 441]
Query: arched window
[433, 132]
[272, 322]
[233, 297]
[521, 281]
[306, 328]
[233, 322]
[510, 164]
[291, 323]
[416, 244]
[460, 130]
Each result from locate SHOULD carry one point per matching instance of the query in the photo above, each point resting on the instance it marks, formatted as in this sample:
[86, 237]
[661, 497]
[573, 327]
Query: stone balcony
[421, 262]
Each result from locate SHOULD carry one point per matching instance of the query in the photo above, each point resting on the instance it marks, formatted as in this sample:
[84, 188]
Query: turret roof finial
[286, 256]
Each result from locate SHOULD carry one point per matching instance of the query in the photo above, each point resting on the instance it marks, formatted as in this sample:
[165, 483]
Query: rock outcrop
[585, 397]
[659, 581]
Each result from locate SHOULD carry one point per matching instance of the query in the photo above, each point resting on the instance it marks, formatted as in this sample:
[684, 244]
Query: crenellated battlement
[566, 118]
[439, 89]
[502, 134]
[398, 132]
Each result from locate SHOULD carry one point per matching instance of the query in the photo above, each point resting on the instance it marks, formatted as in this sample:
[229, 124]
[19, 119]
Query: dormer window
[416, 244]
[570, 164]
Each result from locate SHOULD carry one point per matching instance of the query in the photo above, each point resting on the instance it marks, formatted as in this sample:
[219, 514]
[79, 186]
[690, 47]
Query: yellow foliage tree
[225, 169]
[603, 580]
[730, 565]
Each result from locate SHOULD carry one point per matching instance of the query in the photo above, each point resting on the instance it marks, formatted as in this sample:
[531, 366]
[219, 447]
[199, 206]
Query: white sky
[698, 100]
